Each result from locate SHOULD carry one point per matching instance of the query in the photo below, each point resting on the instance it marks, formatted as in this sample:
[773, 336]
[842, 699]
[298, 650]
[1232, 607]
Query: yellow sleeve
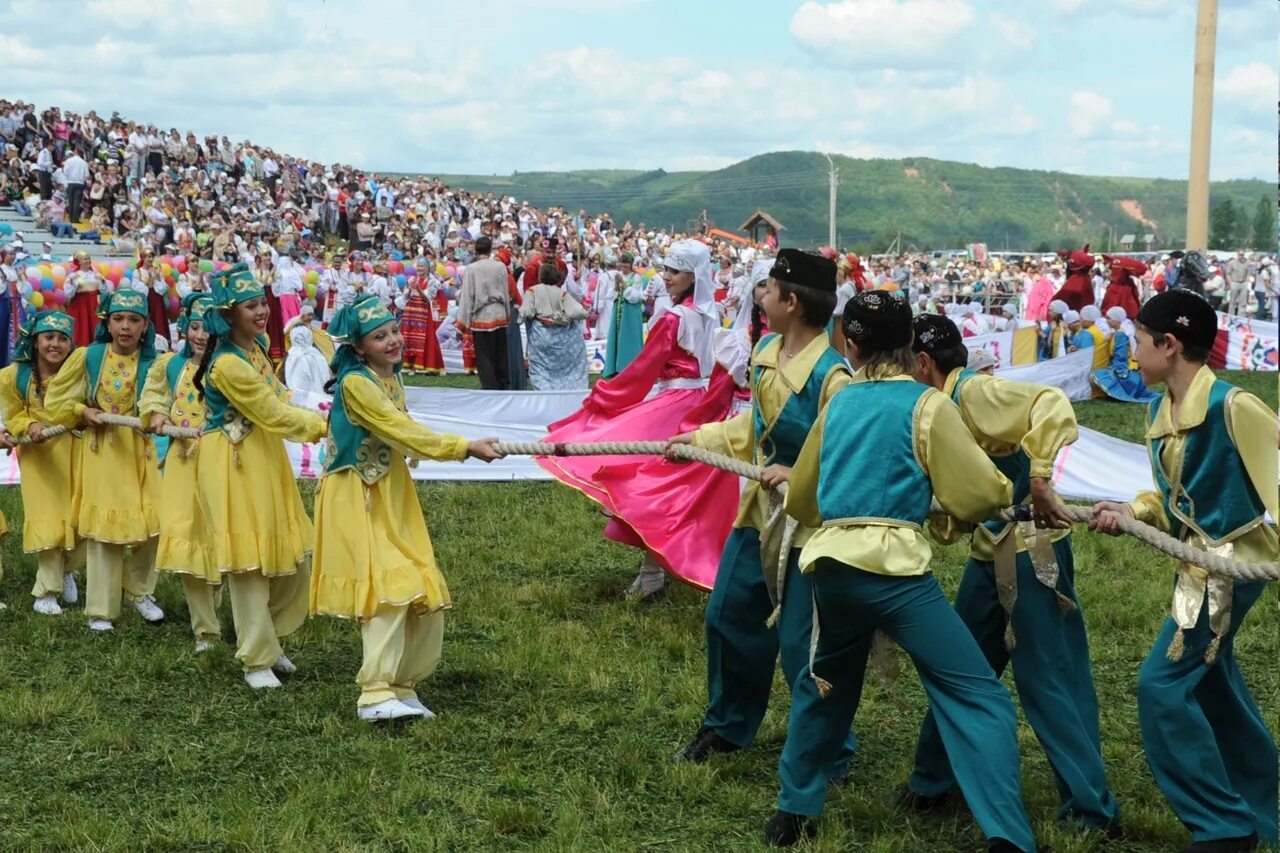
[1253, 427]
[965, 481]
[1148, 507]
[368, 406]
[156, 399]
[837, 380]
[1036, 417]
[802, 485]
[66, 395]
[13, 409]
[735, 437]
[250, 394]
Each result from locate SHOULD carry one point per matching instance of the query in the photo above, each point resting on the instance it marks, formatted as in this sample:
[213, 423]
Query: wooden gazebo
[761, 219]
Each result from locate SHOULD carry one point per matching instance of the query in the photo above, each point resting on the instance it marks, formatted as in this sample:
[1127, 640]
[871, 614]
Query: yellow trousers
[264, 610]
[51, 565]
[108, 574]
[203, 599]
[401, 648]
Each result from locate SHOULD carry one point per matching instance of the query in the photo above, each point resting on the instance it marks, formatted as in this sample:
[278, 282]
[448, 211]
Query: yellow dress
[50, 469]
[183, 545]
[119, 482]
[253, 511]
[372, 545]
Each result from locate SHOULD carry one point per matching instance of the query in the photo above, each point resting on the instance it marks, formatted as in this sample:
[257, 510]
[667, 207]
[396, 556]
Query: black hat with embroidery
[877, 321]
[1186, 315]
[933, 332]
[805, 269]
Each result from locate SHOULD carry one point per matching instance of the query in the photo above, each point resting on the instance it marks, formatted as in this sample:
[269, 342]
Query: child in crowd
[381, 572]
[170, 398]
[1215, 471]
[258, 530]
[119, 482]
[1118, 380]
[1017, 595]
[794, 372]
[882, 449]
[49, 464]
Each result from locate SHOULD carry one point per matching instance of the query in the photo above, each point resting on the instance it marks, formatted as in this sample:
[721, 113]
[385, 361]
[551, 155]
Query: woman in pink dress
[680, 525]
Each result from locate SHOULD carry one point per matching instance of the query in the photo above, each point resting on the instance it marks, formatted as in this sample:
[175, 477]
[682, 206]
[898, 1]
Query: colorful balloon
[36, 299]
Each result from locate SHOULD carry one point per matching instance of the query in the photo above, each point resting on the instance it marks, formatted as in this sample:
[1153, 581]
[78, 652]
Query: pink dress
[1038, 300]
[680, 512]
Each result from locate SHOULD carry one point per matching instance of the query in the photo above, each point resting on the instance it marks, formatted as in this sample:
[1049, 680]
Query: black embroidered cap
[1185, 314]
[933, 332]
[804, 269]
[877, 321]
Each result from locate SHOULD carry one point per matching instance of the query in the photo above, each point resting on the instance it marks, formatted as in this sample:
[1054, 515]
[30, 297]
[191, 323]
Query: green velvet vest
[352, 446]
[782, 443]
[219, 414]
[96, 354]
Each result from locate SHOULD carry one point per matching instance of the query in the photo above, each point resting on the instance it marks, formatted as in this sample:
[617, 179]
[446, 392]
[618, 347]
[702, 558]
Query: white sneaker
[47, 605]
[261, 678]
[392, 709]
[416, 704]
[101, 625]
[70, 592]
[203, 646]
[284, 666]
[148, 609]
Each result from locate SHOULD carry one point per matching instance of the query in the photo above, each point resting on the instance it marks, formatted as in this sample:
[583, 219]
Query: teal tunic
[626, 333]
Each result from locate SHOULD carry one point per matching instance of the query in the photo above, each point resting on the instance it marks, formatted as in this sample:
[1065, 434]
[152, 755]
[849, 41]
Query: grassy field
[560, 707]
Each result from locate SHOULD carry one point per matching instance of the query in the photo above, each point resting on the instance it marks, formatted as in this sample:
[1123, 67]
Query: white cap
[1071, 316]
[1091, 313]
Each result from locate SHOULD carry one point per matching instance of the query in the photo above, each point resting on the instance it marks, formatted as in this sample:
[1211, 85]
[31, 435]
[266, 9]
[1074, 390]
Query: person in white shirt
[76, 171]
[44, 169]
[605, 296]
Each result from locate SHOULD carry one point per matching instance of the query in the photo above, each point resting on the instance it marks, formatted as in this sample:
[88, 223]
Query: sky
[1097, 87]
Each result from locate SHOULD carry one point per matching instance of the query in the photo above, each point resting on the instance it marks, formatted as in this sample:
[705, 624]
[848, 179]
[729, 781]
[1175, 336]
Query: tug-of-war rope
[1161, 541]
[1213, 563]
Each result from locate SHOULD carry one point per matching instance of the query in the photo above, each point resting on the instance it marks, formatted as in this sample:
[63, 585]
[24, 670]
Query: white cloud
[1253, 86]
[879, 32]
[19, 51]
[1087, 113]
[1014, 32]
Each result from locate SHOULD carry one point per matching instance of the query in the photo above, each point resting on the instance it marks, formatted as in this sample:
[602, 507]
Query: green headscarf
[195, 306]
[126, 301]
[350, 323]
[45, 321]
[229, 288]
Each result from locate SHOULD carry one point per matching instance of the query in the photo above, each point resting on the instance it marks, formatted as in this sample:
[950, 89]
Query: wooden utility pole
[1201, 126]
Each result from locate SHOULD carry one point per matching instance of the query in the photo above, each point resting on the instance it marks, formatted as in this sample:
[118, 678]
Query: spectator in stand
[1265, 289]
[1237, 270]
[44, 169]
[76, 170]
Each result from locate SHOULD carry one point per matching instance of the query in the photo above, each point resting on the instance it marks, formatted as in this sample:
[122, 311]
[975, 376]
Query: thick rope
[136, 423]
[49, 432]
[1161, 541]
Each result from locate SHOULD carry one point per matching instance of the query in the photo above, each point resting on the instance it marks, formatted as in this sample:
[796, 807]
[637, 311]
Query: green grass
[560, 707]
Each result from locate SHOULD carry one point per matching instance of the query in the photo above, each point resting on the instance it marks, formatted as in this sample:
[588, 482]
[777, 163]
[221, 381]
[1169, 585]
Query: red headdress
[1077, 260]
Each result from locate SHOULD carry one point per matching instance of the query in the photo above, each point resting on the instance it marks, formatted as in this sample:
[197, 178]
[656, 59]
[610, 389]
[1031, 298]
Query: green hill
[932, 203]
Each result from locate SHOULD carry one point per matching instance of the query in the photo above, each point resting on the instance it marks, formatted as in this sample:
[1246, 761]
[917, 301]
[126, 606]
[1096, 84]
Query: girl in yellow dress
[49, 464]
[119, 481]
[373, 559]
[258, 530]
[170, 397]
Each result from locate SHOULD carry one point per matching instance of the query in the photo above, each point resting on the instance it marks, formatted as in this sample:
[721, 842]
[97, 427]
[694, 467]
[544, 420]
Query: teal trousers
[1054, 681]
[974, 712]
[742, 650]
[1206, 742]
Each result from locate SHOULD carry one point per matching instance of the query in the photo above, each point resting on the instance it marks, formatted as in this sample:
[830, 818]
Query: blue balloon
[46, 284]
[401, 280]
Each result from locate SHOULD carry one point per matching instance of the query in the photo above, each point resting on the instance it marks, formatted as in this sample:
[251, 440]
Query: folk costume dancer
[259, 533]
[170, 397]
[83, 307]
[1119, 380]
[1214, 463]
[626, 332]
[1017, 595]
[882, 449]
[119, 481]
[794, 372]
[50, 465]
[380, 571]
[656, 397]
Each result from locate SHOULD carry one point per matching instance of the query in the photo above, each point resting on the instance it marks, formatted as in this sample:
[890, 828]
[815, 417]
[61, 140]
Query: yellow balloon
[37, 299]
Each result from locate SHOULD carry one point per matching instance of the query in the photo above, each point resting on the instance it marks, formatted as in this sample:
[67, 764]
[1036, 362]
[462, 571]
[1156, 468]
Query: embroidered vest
[1016, 466]
[1208, 491]
[352, 446]
[219, 414]
[868, 470]
[96, 356]
[781, 442]
[185, 407]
